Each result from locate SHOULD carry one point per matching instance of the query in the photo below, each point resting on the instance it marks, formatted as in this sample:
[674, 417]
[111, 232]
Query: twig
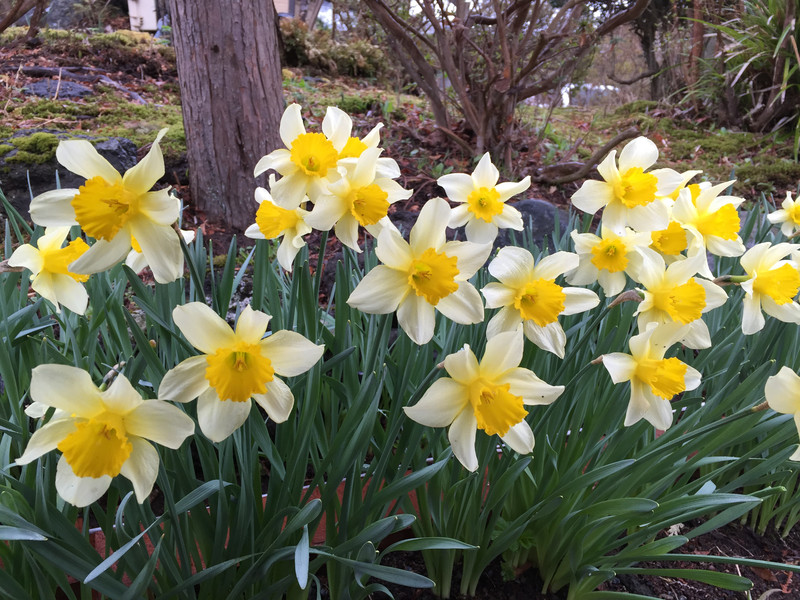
[16, 78]
[464, 145]
[58, 85]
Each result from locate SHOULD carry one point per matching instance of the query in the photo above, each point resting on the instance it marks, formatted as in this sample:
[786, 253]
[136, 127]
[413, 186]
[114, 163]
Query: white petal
[278, 160]
[121, 397]
[327, 211]
[480, 232]
[578, 300]
[252, 325]
[533, 390]
[46, 439]
[291, 125]
[392, 250]
[160, 207]
[510, 218]
[554, 265]
[67, 388]
[220, 418]
[462, 366]
[462, 439]
[28, 257]
[440, 405]
[620, 366]
[639, 403]
[186, 381]
[782, 391]
[608, 168]
[519, 438]
[510, 188]
[485, 174]
[54, 208]
[715, 295]
[497, 294]
[141, 468]
[512, 266]
[381, 291]
[161, 247]
[204, 328]
[650, 217]
[698, 337]
[720, 247]
[551, 337]
[287, 252]
[503, 353]
[640, 152]
[160, 422]
[592, 196]
[417, 318]
[788, 312]
[143, 176]
[79, 491]
[507, 319]
[457, 186]
[692, 378]
[103, 255]
[277, 401]
[80, 157]
[347, 232]
[337, 126]
[290, 353]
[471, 257]
[463, 306]
[429, 230]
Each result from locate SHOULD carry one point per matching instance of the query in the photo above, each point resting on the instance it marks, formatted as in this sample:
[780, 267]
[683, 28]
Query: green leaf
[18, 533]
[301, 560]
[428, 543]
[725, 581]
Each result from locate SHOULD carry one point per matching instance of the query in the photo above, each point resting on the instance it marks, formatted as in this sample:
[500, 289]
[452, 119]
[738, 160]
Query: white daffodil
[359, 197]
[482, 201]
[48, 263]
[116, 210]
[628, 193]
[712, 221]
[490, 395]
[235, 366]
[783, 396]
[100, 433]
[424, 275]
[788, 216]
[528, 295]
[273, 221]
[136, 259]
[673, 294]
[655, 380]
[605, 258]
[772, 286]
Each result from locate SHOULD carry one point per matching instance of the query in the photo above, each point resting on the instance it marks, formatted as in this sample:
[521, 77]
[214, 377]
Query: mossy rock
[777, 176]
[35, 149]
[63, 109]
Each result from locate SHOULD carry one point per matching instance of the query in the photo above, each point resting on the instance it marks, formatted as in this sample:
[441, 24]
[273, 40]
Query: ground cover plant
[267, 445]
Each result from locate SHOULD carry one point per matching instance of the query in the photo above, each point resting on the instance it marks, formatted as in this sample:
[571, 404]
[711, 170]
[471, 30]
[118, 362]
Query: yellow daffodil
[712, 220]
[117, 211]
[629, 192]
[673, 294]
[528, 295]
[783, 395]
[235, 366]
[482, 201]
[273, 221]
[423, 275]
[772, 286]
[359, 197]
[490, 395]
[308, 163]
[48, 263]
[788, 216]
[100, 433]
[605, 258]
[655, 380]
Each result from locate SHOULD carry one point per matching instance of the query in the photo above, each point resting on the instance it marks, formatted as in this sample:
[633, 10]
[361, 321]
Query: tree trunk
[230, 79]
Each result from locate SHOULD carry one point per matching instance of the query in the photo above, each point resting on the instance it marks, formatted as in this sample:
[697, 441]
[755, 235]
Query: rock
[62, 14]
[46, 88]
[539, 218]
[30, 154]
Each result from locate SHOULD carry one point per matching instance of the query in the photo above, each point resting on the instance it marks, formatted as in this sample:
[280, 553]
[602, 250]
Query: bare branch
[634, 79]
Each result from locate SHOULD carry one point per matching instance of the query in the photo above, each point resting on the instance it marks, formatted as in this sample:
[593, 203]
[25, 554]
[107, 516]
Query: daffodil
[783, 395]
[236, 365]
[490, 395]
[136, 259]
[712, 221]
[359, 197]
[605, 258]
[273, 221]
[482, 201]
[117, 211]
[423, 275]
[527, 294]
[772, 286]
[655, 380]
[673, 294]
[48, 263]
[100, 433]
[629, 192]
[788, 216]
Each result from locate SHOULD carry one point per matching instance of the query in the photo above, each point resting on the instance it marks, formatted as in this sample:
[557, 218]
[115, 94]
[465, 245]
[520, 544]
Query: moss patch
[769, 176]
[5, 148]
[34, 149]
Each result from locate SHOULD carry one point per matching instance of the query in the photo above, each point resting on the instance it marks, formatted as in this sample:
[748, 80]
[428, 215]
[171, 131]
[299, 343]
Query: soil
[733, 540]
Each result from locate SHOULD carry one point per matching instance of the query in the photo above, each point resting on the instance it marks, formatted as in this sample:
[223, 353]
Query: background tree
[230, 79]
[482, 59]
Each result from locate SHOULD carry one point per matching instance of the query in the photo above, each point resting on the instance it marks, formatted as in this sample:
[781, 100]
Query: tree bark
[230, 79]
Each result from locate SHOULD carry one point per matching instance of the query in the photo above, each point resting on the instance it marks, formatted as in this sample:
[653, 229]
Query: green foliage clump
[63, 109]
[34, 149]
[6, 148]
